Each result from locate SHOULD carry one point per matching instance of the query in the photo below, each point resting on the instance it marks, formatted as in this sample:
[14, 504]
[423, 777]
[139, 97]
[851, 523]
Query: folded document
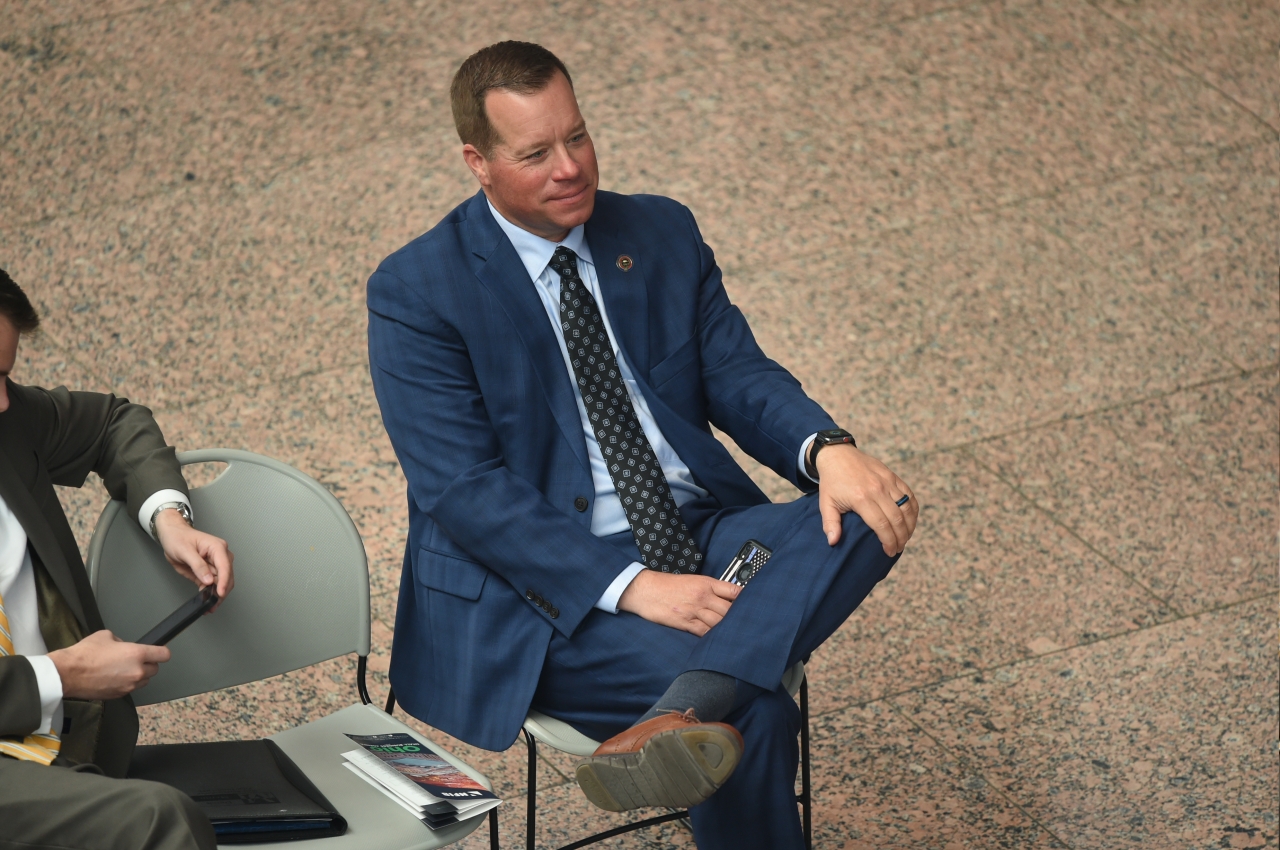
[417, 779]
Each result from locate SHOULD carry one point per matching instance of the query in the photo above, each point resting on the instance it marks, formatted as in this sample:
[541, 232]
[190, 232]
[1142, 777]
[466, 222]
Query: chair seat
[373, 820]
[558, 734]
[566, 739]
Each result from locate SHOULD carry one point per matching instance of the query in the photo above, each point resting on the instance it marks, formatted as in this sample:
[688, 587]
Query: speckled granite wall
[1026, 250]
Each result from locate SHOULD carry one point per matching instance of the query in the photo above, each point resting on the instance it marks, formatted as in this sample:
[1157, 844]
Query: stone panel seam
[1173, 60]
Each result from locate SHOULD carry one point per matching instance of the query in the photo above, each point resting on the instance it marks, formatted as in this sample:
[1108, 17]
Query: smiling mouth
[567, 198]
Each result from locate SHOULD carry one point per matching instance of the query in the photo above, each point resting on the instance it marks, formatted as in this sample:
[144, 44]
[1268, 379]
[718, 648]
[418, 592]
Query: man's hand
[686, 602]
[196, 555]
[851, 480]
[104, 667]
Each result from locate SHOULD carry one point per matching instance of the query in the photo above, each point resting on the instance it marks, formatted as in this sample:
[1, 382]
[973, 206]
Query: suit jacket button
[580, 503]
[529, 594]
[554, 612]
[546, 606]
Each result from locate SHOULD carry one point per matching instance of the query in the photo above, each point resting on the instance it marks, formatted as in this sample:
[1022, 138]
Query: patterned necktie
[661, 535]
[35, 747]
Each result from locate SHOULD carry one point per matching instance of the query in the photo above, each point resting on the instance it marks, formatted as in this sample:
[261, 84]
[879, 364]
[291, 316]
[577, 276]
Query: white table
[374, 822]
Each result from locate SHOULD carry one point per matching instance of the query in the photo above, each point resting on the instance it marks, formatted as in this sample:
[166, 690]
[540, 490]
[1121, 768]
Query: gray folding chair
[301, 597]
[563, 737]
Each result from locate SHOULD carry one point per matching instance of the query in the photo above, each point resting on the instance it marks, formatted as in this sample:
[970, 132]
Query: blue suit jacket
[481, 411]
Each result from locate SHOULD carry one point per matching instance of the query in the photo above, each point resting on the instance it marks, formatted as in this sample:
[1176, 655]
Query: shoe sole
[677, 768]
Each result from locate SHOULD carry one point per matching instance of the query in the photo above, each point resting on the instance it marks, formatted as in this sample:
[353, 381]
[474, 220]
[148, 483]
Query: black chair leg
[531, 802]
[493, 830]
[806, 790]
[362, 685]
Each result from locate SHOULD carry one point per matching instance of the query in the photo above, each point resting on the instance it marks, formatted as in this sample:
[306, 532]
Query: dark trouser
[57, 807]
[617, 665]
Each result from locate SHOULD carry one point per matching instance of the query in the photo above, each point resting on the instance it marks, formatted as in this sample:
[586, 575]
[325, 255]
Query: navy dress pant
[616, 666]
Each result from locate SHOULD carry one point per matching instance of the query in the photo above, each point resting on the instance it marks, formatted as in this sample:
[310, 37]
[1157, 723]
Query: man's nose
[566, 167]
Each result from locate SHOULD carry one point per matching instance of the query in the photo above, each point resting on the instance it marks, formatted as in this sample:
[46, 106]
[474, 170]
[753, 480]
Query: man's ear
[477, 163]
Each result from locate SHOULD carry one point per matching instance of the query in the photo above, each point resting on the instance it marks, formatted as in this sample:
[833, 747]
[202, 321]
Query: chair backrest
[302, 579]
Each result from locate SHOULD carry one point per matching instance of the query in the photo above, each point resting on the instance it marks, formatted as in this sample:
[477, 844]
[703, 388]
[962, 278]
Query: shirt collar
[534, 251]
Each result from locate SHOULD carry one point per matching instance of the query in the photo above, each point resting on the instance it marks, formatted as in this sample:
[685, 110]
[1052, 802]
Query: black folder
[252, 792]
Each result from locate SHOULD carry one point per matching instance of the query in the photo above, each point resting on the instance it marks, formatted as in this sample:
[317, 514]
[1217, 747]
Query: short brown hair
[16, 307]
[516, 66]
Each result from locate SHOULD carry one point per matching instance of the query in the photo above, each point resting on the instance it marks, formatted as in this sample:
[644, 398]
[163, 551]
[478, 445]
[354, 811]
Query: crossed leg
[616, 666]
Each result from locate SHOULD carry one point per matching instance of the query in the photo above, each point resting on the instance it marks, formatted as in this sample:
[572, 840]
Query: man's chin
[577, 212]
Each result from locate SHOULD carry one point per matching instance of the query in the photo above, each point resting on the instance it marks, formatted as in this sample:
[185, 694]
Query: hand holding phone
[190, 611]
[750, 558]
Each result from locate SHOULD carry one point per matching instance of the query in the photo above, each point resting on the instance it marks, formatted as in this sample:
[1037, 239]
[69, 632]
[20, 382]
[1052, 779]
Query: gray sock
[711, 695]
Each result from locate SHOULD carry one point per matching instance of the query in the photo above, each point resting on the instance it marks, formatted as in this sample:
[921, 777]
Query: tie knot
[564, 261]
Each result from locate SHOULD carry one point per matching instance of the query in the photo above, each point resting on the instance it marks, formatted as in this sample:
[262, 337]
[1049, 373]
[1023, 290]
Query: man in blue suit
[549, 360]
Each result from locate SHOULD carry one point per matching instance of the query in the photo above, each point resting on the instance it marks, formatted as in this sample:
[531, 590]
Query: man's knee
[160, 817]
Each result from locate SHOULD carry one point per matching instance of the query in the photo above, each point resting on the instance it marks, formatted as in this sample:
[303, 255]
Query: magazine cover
[416, 762]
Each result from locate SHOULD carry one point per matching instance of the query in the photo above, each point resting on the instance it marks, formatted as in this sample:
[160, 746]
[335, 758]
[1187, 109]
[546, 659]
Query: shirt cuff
[804, 450]
[49, 684]
[157, 499]
[608, 601]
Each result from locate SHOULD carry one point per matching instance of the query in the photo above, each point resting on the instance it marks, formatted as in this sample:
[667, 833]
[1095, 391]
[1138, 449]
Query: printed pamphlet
[419, 780]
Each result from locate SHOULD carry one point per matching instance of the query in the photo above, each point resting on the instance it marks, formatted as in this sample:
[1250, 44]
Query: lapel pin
[625, 263]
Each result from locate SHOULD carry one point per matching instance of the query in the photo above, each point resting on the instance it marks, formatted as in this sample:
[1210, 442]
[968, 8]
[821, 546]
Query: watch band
[830, 437]
[181, 507]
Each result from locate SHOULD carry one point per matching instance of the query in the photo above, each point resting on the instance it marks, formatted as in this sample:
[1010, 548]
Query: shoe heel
[716, 753]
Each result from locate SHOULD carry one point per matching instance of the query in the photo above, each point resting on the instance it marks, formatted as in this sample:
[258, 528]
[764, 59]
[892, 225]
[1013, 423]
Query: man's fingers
[697, 627]
[710, 617]
[189, 557]
[897, 521]
[874, 516]
[154, 654]
[718, 605]
[911, 510]
[222, 562]
[725, 589]
[830, 519]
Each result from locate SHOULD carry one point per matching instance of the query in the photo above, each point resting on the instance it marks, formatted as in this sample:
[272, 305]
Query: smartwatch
[832, 437]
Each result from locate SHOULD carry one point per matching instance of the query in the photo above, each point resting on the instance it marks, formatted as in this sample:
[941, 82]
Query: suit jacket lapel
[626, 296]
[40, 535]
[499, 269]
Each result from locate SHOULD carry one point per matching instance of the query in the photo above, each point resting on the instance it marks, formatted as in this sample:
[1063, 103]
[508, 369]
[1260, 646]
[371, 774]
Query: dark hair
[15, 306]
[516, 66]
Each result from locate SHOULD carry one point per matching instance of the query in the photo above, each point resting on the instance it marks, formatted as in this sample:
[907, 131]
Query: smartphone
[750, 558]
[190, 611]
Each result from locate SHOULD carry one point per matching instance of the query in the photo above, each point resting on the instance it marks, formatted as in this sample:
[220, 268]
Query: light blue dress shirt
[607, 517]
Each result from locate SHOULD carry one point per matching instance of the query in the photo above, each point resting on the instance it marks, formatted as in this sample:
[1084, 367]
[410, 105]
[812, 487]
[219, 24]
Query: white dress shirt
[18, 588]
[607, 516]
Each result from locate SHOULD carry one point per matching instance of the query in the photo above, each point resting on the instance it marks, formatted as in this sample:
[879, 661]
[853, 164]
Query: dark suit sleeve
[20, 706]
[434, 411]
[76, 433]
[750, 397]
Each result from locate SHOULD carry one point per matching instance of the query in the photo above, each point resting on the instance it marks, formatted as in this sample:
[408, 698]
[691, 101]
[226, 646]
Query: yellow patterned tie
[36, 747]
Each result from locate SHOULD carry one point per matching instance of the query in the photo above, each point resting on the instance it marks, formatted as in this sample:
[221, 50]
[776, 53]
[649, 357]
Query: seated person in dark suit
[67, 724]
[550, 360]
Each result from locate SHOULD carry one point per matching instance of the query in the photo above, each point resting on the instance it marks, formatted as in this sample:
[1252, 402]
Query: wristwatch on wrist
[832, 437]
[181, 507]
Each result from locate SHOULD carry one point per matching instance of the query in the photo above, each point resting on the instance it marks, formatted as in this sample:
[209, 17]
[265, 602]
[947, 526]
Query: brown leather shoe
[672, 760]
